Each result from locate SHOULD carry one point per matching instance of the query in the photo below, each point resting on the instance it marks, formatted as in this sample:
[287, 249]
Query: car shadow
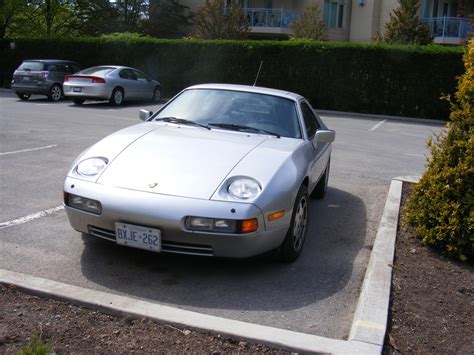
[336, 235]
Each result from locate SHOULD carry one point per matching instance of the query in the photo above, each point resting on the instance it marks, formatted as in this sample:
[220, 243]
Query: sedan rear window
[99, 71]
[32, 66]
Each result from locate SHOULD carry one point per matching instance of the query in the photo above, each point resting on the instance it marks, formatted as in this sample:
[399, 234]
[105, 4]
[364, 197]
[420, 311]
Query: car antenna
[260, 68]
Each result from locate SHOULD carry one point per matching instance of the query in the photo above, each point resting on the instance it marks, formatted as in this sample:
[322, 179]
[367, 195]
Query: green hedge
[381, 79]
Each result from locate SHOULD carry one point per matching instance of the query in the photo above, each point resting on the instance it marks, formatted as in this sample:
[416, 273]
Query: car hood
[179, 160]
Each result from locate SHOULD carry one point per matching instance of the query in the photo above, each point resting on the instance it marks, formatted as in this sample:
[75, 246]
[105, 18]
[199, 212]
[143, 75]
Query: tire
[23, 97]
[55, 93]
[294, 240]
[117, 97]
[322, 186]
[78, 101]
[156, 94]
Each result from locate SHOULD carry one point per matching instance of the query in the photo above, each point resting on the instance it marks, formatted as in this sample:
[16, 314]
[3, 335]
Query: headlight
[244, 188]
[91, 166]
[83, 203]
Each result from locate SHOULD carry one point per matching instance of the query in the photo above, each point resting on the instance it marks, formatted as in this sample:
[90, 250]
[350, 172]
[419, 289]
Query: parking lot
[317, 294]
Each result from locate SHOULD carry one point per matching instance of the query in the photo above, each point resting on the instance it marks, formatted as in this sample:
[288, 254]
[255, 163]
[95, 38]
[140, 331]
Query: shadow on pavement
[336, 234]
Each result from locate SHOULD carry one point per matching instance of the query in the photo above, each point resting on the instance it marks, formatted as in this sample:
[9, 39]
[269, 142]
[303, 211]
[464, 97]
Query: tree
[441, 207]
[167, 18]
[9, 9]
[310, 25]
[46, 18]
[91, 15]
[213, 21]
[405, 26]
[131, 14]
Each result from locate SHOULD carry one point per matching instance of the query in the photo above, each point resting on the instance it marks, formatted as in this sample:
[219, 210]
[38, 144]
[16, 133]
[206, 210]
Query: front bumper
[167, 213]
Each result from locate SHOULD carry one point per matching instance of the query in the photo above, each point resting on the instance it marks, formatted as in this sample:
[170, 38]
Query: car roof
[248, 88]
[49, 61]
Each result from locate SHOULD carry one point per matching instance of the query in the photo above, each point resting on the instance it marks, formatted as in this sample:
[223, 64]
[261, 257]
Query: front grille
[166, 246]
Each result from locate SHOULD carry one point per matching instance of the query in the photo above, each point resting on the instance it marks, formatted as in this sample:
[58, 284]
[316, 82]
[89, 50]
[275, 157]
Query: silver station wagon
[220, 170]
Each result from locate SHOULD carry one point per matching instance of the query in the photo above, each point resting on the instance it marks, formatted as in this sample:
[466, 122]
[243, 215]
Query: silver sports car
[220, 170]
[113, 83]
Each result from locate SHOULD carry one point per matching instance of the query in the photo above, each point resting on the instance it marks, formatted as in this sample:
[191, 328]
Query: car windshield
[235, 110]
[31, 66]
[99, 71]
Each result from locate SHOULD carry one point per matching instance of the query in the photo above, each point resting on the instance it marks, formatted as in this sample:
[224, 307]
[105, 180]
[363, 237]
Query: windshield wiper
[237, 127]
[181, 121]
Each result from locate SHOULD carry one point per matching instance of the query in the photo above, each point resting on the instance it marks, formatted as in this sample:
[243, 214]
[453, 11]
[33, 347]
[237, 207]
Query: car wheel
[55, 93]
[322, 186]
[157, 94]
[117, 97]
[293, 243]
[78, 101]
[23, 97]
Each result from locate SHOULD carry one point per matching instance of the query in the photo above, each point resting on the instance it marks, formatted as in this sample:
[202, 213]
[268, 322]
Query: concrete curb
[120, 305]
[371, 316]
[381, 117]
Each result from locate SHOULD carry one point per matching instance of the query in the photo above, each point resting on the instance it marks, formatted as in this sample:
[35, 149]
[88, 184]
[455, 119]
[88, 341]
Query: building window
[334, 13]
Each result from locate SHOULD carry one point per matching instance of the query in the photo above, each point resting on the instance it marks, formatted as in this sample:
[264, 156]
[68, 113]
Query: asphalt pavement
[316, 295]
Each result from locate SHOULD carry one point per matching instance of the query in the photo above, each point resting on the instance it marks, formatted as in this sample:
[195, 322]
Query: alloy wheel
[299, 223]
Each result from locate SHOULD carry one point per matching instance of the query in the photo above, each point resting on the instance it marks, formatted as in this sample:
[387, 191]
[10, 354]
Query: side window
[75, 68]
[66, 68]
[127, 74]
[310, 121]
[53, 67]
[140, 76]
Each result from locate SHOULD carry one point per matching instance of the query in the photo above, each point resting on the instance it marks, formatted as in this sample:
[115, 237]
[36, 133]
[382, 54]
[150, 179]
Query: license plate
[26, 78]
[77, 89]
[138, 236]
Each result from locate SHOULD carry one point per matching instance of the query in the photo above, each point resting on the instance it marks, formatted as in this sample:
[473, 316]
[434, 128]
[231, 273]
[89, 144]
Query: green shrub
[441, 207]
[36, 346]
[381, 79]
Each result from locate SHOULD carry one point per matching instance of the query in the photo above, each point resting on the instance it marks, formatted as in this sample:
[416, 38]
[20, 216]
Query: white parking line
[377, 125]
[415, 155]
[42, 104]
[30, 217]
[29, 150]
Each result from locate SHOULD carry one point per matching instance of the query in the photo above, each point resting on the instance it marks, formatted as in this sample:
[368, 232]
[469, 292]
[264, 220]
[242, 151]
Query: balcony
[449, 30]
[271, 21]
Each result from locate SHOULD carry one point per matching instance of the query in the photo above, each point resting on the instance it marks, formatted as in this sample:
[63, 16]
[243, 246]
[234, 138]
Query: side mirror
[145, 114]
[325, 136]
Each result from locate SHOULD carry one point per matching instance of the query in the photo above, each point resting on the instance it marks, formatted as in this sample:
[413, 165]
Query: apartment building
[354, 20]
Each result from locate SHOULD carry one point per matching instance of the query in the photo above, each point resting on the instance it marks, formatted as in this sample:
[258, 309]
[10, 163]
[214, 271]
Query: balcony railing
[274, 18]
[453, 27]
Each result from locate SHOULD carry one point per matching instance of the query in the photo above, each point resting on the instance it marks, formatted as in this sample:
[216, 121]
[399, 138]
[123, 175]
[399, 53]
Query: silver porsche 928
[220, 170]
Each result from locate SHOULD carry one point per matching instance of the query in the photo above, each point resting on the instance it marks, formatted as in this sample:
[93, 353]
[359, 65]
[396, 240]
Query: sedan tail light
[98, 80]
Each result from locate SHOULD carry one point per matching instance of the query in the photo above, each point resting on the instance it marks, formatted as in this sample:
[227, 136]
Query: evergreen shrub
[441, 207]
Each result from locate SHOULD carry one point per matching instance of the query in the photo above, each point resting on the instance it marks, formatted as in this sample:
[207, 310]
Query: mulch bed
[432, 299]
[71, 329]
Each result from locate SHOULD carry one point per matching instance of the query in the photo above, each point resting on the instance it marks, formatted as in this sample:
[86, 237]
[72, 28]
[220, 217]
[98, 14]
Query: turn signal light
[276, 215]
[248, 225]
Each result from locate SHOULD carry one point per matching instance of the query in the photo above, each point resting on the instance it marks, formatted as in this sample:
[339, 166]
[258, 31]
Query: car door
[130, 84]
[145, 86]
[319, 151]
